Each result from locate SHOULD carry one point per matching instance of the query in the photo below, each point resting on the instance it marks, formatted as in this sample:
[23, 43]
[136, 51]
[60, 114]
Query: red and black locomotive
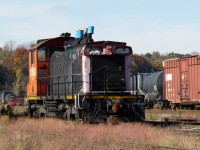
[77, 78]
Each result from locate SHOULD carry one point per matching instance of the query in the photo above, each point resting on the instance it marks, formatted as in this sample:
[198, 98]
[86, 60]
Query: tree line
[14, 65]
[152, 62]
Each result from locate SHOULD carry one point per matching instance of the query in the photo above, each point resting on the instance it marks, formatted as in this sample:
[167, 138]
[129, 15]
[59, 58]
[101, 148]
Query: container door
[184, 80]
[194, 78]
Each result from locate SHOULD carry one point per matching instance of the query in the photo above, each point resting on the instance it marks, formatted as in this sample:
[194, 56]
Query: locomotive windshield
[93, 50]
[107, 50]
[122, 50]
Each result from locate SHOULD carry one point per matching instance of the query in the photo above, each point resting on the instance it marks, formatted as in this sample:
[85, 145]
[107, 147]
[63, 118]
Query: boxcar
[182, 81]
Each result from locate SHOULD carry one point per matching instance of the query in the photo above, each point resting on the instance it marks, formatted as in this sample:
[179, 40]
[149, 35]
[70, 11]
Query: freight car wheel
[172, 106]
[72, 117]
[193, 107]
[190, 107]
[165, 104]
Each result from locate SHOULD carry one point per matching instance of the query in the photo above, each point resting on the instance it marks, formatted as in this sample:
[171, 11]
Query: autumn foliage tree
[20, 68]
[140, 64]
[152, 62]
[156, 61]
[4, 56]
[13, 68]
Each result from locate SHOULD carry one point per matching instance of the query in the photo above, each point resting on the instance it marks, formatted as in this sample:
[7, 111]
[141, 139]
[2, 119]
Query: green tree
[156, 61]
[148, 56]
[174, 55]
[6, 78]
[4, 56]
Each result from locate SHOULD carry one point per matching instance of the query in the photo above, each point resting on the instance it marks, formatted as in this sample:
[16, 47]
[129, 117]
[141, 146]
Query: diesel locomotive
[81, 79]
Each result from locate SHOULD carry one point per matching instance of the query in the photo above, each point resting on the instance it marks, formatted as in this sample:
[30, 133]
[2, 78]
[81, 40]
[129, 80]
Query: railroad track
[169, 123]
[154, 117]
[195, 130]
[170, 117]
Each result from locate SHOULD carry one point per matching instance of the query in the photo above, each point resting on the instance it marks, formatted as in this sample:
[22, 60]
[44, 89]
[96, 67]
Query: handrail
[54, 82]
[107, 77]
[137, 83]
[61, 75]
[126, 69]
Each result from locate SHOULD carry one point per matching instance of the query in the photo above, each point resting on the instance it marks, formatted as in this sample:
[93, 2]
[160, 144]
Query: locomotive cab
[39, 59]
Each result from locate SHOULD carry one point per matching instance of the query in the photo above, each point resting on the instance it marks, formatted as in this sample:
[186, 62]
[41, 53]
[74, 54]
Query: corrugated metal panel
[182, 79]
[194, 74]
[171, 77]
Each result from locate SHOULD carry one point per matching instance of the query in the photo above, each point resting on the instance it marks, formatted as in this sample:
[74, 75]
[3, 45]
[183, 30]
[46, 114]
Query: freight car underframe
[185, 105]
[95, 106]
[167, 104]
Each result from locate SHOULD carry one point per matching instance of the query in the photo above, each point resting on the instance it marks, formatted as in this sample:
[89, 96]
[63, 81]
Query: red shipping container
[182, 80]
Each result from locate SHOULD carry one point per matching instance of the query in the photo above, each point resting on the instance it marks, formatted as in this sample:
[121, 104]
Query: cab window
[32, 58]
[42, 54]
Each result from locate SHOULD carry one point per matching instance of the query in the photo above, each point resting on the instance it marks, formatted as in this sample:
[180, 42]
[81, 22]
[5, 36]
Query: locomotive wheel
[70, 116]
[42, 112]
[30, 110]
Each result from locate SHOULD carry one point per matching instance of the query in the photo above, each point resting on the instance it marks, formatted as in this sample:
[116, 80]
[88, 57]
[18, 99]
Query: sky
[145, 25]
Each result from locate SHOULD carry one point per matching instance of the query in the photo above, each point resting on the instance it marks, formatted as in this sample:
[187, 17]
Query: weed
[48, 133]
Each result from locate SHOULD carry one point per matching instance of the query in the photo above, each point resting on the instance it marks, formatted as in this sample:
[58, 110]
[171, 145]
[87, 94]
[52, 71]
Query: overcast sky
[146, 25]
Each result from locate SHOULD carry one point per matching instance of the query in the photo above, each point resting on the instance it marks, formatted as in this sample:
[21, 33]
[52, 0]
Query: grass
[55, 134]
[20, 111]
